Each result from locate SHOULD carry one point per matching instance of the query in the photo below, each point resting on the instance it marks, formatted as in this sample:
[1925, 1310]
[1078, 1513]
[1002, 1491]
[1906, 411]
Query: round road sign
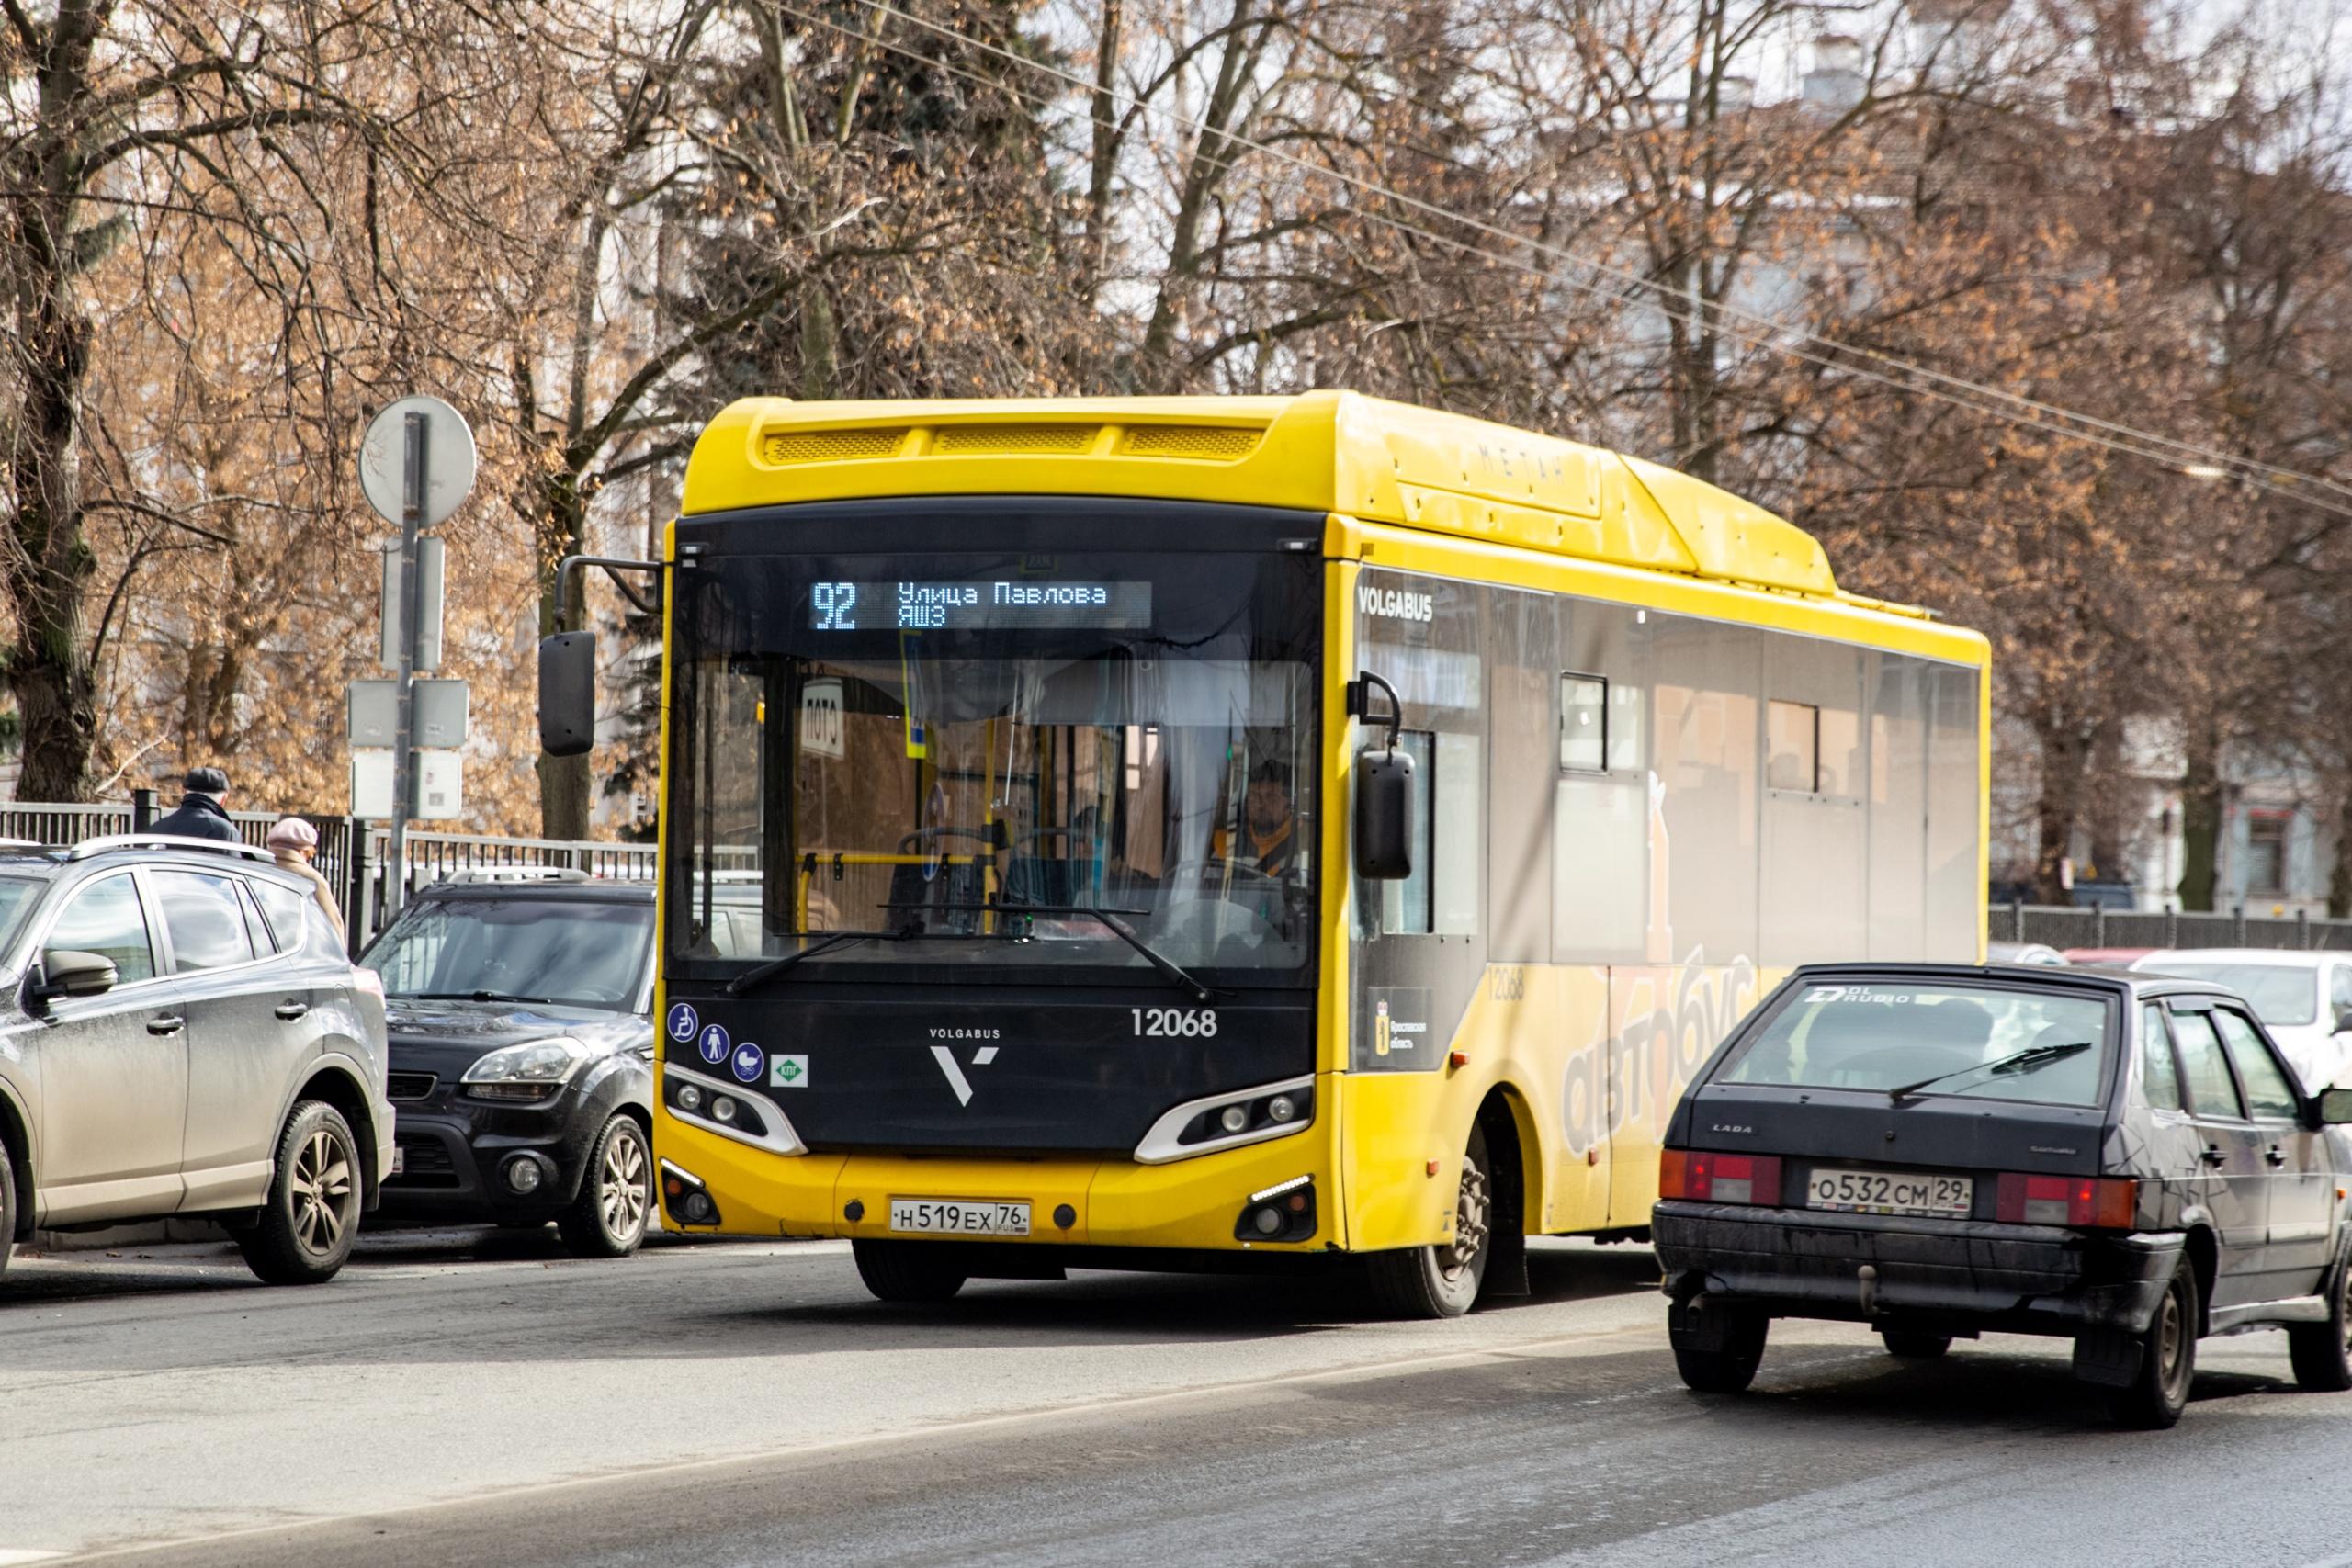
[448, 459]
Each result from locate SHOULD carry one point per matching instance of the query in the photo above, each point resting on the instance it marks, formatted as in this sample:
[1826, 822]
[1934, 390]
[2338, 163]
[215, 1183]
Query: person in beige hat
[294, 843]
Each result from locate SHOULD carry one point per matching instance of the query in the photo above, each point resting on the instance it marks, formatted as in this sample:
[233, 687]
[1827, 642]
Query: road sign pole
[414, 427]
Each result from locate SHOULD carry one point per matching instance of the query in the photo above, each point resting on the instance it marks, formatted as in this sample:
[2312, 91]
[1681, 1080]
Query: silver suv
[182, 1034]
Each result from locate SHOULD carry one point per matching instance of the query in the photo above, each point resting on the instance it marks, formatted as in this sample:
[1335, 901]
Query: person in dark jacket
[200, 813]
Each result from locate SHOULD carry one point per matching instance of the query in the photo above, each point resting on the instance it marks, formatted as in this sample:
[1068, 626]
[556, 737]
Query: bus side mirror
[568, 694]
[1384, 814]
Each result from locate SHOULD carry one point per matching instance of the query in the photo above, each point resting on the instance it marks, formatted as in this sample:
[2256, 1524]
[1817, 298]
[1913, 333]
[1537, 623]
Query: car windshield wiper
[2031, 1059]
[1168, 967]
[473, 997]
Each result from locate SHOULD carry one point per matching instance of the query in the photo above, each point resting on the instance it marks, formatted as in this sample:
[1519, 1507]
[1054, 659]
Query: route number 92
[1198, 1023]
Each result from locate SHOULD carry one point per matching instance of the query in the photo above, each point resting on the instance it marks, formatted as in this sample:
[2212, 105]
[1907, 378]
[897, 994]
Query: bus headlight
[1228, 1121]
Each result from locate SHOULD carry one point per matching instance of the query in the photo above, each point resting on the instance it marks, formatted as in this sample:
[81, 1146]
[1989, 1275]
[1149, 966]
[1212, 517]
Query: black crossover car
[2122, 1159]
[519, 1009]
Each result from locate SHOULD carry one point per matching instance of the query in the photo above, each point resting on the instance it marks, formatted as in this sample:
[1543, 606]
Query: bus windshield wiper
[1168, 967]
[2031, 1059]
[754, 978]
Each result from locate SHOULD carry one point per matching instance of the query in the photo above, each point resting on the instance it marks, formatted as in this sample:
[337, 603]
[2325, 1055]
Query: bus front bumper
[1210, 1203]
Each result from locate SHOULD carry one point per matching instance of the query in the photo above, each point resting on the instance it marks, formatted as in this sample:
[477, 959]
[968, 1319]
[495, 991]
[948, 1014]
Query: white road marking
[10, 1556]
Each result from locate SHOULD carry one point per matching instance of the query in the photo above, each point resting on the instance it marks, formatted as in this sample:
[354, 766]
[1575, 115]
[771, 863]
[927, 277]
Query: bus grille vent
[1214, 443]
[963, 440]
[829, 446]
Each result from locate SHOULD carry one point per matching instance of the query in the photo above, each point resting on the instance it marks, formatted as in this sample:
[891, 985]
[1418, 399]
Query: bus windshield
[1034, 768]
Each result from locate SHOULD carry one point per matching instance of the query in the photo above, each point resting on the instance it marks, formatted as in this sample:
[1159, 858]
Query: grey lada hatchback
[1937, 1151]
[181, 1033]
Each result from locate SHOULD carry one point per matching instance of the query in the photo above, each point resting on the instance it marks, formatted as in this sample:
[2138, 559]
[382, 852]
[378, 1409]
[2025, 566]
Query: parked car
[2117, 957]
[522, 1043]
[2304, 999]
[1938, 1151]
[2022, 952]
[181, 1034]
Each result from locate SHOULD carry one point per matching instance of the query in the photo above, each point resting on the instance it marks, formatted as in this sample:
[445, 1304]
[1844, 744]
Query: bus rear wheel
[908, 1270]
[1443, 1281]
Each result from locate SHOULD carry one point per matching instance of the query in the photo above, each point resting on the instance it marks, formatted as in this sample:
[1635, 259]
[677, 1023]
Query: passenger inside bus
[1269, 825]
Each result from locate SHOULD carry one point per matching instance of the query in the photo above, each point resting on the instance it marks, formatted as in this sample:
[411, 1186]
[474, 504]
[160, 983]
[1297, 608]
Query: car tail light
[1709, 1177]
[2082, 1202]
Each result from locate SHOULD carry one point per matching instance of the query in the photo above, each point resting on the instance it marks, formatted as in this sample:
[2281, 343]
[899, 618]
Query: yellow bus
[1239, 832]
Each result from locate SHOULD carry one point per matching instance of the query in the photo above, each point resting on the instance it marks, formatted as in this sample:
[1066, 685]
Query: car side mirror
[66, 972]
[1384, 816]
[568, 694]
[2336, 1107]
[2344, 1020]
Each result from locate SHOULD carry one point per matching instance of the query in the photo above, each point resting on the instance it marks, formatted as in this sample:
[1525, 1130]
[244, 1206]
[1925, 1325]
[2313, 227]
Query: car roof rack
[467, 875]
[99, 846]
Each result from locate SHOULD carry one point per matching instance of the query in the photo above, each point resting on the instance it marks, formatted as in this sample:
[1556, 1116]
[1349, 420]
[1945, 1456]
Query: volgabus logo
[1395, 603]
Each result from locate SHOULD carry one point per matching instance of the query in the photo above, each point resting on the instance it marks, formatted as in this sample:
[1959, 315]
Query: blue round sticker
[749, 1062]
[685, 1022]
[715, 1044]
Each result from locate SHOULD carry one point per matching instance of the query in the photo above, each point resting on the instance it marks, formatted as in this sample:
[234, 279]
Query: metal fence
[352, 853]
[2064, 927]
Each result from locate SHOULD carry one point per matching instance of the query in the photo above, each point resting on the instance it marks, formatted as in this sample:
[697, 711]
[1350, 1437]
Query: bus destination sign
[952, 606]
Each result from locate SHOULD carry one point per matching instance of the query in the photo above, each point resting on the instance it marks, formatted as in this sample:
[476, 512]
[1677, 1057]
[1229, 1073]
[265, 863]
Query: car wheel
[306, 1226]
[2321, 1352]
[1443, 1281]
[7, 1208]
[1915, 1347]
[607, 1220]
[1718, 1345]
[907, 1270]
[2159, 1393]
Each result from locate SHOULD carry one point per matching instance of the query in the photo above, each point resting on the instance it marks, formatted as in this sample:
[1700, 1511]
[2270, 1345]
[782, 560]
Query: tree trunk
[2200, 819]
[2064, 754]
[1105, 161]
[49, 662]
[2339, 880]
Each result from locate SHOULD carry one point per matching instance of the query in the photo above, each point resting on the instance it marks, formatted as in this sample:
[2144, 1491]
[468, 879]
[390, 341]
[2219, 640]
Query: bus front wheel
[908, 1270]
[1443, 1281]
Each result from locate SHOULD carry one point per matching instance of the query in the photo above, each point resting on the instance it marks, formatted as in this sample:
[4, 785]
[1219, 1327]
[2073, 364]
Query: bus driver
[1270, 828]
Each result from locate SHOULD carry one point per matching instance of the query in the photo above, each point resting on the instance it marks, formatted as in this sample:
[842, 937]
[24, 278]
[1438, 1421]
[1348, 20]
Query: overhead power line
[1754, 330]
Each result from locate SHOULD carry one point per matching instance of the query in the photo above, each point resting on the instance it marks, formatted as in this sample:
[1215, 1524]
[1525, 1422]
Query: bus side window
[1444, 893]
[1583, 724]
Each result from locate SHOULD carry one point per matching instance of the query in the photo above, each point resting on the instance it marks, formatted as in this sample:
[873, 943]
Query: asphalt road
[456, 1400]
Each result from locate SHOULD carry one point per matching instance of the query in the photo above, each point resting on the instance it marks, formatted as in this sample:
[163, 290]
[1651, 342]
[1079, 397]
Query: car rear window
[1971, 1040]
[2281, 993]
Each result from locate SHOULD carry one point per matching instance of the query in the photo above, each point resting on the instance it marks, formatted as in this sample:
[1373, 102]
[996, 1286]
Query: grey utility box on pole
[416, 463]
[437, 718]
